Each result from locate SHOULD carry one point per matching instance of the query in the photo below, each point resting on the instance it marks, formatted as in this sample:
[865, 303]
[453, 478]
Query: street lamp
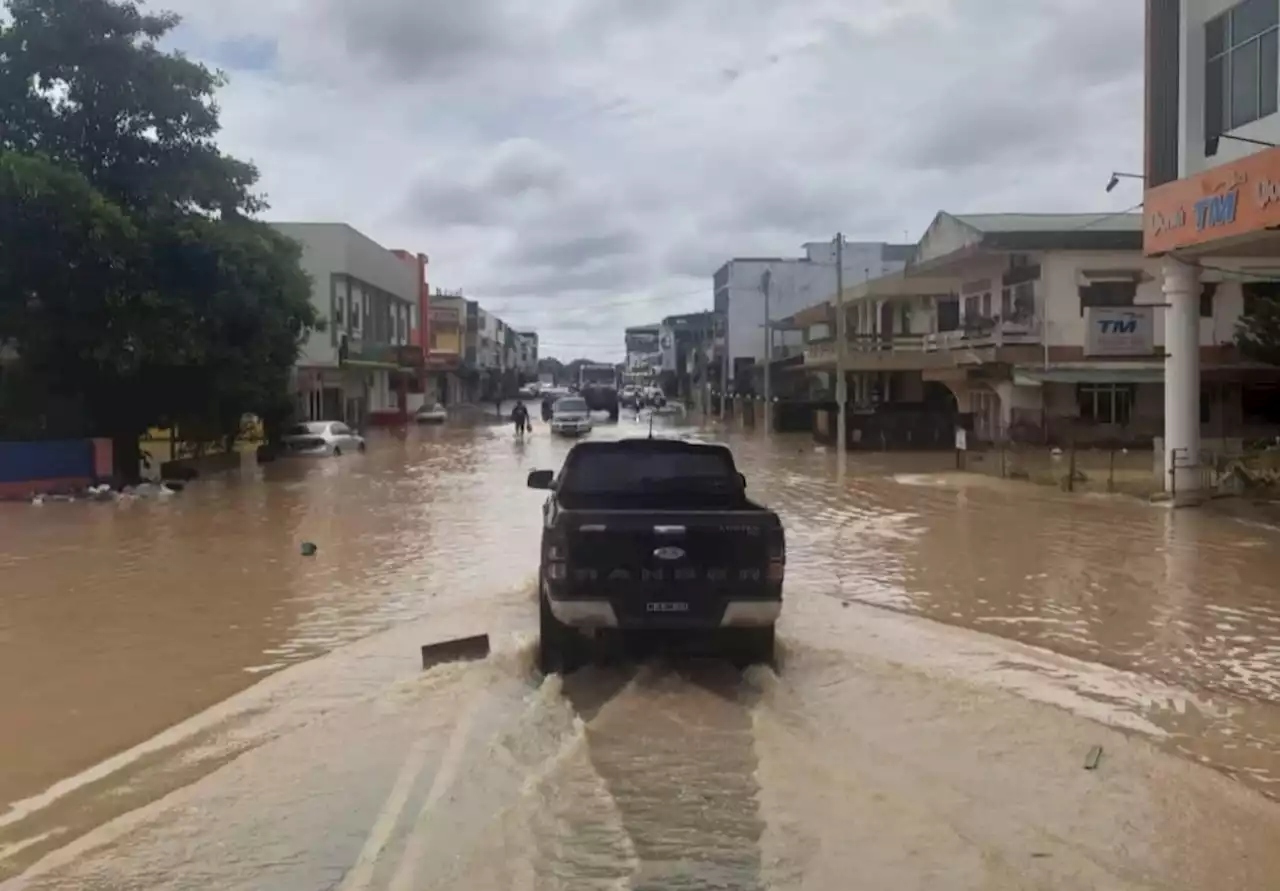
[841, 395]
[1117, 175]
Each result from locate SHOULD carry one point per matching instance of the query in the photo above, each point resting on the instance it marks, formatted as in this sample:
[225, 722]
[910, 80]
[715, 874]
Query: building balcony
[986, 333]
[988, 341]
[391, 357]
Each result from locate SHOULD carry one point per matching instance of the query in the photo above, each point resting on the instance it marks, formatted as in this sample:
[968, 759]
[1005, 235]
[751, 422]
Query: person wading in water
[520, 415]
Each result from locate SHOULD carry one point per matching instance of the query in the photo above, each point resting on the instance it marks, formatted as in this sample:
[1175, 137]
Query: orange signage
[1225, 202]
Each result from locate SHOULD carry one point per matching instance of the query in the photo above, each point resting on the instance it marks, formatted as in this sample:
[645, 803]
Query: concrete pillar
[1181, 376]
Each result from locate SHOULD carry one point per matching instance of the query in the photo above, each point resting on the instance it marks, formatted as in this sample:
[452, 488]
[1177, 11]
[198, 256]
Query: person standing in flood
[520, 415]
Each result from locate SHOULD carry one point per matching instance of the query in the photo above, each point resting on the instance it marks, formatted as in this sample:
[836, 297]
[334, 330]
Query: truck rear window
[639, 471]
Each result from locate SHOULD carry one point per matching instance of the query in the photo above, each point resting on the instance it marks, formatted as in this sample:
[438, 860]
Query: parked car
[431, 414]
[655, 537]
[322, 438]
[570, 416]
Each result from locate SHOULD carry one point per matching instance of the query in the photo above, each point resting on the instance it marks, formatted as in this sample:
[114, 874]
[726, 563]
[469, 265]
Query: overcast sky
[583, 165]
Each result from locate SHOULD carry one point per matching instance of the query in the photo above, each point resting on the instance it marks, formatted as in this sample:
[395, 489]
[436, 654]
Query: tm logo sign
[1126, 325]
[1216, 210]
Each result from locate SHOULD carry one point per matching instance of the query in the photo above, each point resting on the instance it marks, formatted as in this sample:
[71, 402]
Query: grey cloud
[490, 190]
[989, 133]
[525, 165]
[411, 39]
[447, 204]
[561, 154]
[616, 275]
[574, 250]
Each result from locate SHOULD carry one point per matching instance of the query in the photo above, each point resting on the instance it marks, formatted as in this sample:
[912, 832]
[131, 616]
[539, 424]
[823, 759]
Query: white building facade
[1041, 328]
[527, 355]
[743, 286]
[355, 370]
[1212, 198]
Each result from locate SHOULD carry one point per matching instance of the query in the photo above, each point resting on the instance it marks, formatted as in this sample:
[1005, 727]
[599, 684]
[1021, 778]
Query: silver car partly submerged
[317, 438]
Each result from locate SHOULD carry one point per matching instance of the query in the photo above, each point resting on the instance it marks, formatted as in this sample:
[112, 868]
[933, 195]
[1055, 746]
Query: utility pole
[724, 368]
[841, 337]
[766, 279]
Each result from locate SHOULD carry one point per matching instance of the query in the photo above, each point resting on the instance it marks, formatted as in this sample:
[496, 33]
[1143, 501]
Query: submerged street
[191, 703]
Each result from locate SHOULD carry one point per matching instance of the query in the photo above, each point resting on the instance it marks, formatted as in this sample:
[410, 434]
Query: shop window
[1208, 291]
[1018, 302]
[1108, 293]
[1241, 66]
[1106, 403]
[948, 315]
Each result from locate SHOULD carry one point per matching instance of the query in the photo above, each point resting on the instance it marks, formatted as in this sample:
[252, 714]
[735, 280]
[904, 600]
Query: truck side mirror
[742, 479]
[540, 479]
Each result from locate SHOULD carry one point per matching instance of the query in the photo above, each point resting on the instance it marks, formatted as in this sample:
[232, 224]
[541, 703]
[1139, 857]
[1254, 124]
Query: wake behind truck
[598, 385]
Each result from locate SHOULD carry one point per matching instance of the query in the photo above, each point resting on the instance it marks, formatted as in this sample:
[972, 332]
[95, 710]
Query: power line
[1105, 217]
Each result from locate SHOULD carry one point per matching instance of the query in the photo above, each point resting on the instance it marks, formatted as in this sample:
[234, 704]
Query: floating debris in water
[309, 549]
[1091, 760]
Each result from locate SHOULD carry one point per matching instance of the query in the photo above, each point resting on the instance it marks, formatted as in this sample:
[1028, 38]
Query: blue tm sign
[1118, 326]
[1216, 210]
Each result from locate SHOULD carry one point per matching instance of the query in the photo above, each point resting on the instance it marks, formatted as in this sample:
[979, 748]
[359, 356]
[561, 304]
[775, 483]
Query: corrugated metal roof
[1052, 222]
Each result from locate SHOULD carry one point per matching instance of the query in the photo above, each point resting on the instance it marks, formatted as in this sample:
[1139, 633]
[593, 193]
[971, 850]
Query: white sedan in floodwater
[431, 414]
[570, 416]
[322, 438]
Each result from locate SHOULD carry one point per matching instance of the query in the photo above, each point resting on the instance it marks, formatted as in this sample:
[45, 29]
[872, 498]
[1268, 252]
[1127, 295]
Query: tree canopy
[134, 281]
[1258, 332]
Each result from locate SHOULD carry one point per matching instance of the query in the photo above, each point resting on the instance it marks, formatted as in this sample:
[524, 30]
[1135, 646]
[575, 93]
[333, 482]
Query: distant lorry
[598, 384]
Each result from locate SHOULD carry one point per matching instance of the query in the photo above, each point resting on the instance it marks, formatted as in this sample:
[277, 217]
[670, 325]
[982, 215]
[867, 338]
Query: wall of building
[794, 285]
[329, 248]
[447, 331]
[1061, 277]
[1191, 92]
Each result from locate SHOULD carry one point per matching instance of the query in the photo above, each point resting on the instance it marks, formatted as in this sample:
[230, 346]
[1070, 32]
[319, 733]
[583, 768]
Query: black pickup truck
[655, 537]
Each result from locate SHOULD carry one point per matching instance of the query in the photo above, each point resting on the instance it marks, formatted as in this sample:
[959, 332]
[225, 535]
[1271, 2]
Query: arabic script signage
[1225, 202]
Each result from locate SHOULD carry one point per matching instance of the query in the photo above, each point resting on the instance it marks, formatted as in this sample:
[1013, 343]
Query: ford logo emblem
[669, 553]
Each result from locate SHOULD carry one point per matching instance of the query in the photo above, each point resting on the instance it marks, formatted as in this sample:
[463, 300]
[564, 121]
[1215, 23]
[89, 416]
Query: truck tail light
[555, 561]
[777, 556]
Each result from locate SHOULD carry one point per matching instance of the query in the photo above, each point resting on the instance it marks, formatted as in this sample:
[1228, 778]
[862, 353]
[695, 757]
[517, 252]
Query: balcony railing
[992, 332]
[983, 333]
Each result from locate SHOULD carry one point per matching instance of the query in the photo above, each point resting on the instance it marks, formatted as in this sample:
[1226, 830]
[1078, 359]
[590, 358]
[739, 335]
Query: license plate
[667, 607]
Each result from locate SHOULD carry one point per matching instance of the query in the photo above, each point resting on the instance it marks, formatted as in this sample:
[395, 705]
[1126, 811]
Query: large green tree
[154, 296]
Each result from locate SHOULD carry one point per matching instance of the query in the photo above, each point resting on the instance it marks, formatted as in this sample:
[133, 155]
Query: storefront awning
[1035, 377]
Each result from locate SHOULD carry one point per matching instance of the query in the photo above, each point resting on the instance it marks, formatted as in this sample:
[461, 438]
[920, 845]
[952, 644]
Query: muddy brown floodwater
[187, 701]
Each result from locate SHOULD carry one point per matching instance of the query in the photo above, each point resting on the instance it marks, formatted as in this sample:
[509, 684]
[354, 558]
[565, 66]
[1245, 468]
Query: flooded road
[900, 751]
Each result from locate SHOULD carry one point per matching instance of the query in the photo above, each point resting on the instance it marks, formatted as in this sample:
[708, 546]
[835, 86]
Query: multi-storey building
[527, 355]
[360, 368]
[1043, 327]
[747, 289]
[1212, 197]
[643, 353]
[685, 341]
[446, 348]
